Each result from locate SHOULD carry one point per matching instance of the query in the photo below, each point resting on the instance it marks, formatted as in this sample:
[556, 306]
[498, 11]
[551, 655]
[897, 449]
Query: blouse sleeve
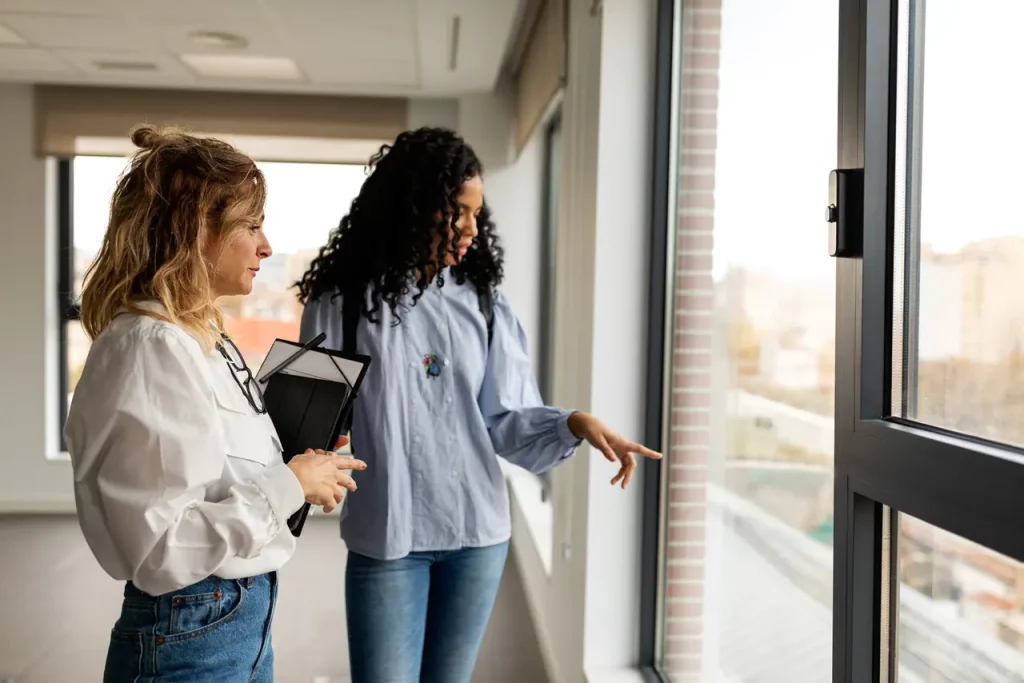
[522, 429]
[146, 446]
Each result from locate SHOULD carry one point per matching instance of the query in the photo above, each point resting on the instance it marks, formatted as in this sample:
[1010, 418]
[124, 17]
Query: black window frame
[67, 308]
[659, 264]
[548, 252]
[959, 483]
[548, 266]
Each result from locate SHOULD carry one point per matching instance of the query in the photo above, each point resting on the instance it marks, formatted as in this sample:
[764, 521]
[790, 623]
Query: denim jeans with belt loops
[216, 630]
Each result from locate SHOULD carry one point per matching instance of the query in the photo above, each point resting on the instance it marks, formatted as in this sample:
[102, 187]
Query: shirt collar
[157, 309]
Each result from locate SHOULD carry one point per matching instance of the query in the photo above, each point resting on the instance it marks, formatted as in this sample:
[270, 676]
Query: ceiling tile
[259, 35]
[31, 59]
[341, 46]
[83, 33]
[9, 37]
[198, 11]
[167, 67]
[67, 7]
[364, 70]
[484, 31]
[384, 28]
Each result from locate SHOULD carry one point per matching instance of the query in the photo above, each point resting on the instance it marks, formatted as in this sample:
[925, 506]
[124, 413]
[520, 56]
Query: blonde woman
[179, 481]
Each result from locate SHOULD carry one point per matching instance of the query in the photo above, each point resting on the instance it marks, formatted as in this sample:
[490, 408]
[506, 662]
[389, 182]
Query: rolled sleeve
[283, 491]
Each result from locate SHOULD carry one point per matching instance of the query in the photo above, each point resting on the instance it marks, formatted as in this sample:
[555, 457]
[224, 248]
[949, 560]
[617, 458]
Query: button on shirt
[435, 409]
[177, 478]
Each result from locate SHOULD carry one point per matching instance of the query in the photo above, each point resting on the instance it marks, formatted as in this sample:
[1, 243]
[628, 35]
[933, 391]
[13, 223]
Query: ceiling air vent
[135, 67]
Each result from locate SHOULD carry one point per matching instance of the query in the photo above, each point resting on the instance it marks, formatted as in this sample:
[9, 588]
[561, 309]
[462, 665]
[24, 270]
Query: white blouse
[177, 477]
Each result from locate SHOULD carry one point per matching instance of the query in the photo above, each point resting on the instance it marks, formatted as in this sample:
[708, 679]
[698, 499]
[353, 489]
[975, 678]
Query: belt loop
[249, 582]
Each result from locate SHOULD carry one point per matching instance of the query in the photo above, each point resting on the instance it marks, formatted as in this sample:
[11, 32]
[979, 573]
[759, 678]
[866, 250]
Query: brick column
[691, 380]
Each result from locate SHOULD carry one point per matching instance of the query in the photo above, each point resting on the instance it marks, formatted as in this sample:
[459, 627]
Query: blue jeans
[420, 618]
[214, 631]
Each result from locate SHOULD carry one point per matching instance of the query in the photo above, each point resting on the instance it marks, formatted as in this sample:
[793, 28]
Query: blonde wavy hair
[179, 198]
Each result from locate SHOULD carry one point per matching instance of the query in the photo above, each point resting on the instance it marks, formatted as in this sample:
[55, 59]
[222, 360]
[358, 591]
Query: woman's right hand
[323, 476]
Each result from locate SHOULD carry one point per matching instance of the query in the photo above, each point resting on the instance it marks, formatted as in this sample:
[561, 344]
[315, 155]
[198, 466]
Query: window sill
[615, 676]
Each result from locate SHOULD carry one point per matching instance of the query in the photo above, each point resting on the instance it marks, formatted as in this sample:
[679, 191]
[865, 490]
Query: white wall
[513, 187]
[620, 326]
[587, 610]
[443, 113]
[514, 193]
[28, 399]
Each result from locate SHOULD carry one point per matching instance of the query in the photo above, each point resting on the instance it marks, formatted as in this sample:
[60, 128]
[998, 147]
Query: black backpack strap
[487, 308]
[351, 311]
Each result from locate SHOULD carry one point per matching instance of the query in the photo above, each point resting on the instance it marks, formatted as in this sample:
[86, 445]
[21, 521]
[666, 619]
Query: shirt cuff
[283, 491]
[565, 434]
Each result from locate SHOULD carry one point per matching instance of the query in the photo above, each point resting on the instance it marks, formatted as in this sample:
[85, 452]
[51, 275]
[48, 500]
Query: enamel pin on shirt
[432, 365]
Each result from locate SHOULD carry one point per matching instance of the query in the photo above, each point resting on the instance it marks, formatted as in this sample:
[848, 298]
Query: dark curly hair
[384, 243]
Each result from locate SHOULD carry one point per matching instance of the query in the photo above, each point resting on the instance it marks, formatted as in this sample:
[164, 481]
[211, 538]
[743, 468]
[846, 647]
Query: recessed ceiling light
[239, 66]
[219, 39]
[9, 37]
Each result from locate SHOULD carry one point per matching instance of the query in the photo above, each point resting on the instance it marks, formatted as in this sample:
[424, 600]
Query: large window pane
[304, 202]
[747, 560]
[961, 609]
[963, 265]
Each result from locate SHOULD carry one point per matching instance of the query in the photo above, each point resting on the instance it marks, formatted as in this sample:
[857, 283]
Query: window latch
[845, 213]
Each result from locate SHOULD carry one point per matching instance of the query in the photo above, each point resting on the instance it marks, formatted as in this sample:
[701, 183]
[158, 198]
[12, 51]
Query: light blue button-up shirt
[430, 435]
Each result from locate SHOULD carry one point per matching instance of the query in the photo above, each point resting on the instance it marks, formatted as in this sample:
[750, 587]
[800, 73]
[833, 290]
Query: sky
[973, 139]
[777, 130]
[304, 201]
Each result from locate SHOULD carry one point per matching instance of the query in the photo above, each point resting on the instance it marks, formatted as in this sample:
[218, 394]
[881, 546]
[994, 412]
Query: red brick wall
[690, 420]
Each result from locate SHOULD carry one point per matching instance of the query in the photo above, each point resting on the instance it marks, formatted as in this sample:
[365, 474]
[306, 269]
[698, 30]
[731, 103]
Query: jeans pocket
[197, 614]
[124, 657]
[137, 614]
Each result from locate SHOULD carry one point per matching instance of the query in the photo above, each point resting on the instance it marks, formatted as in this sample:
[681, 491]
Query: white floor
[57, 607]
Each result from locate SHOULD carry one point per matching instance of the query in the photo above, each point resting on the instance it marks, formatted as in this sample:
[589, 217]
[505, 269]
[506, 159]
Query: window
[549, 251]
[963, 303]
[304, 202]
[746, 513]
[908, 416]
[930, 449]
[961, 608]
[838, 506]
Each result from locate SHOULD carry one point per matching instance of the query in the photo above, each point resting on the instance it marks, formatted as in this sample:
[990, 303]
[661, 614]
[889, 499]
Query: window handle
[845, 212]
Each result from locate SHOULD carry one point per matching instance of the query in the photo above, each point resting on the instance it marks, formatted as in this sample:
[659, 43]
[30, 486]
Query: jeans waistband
[208, 584]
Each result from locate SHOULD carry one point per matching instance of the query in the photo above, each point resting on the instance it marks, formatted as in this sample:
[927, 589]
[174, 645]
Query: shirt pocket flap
[230, 397]
[277, 440]
[245, 434]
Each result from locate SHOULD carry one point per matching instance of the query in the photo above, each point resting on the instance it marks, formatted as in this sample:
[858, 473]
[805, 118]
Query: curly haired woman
[410, 278]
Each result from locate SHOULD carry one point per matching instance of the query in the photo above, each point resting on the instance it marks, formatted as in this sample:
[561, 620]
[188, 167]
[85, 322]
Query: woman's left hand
[612, 444]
